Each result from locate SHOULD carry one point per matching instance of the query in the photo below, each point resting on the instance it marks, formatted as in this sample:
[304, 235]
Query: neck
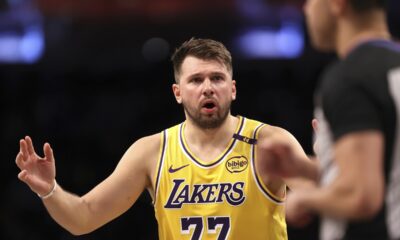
[356, 30]
[215, 136]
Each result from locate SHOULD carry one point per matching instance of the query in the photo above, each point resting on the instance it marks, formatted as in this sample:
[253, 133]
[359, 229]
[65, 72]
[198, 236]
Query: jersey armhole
[260, 184]
[160, 163]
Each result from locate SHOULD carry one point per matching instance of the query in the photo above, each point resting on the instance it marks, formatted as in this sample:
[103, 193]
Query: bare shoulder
[146, 148]
[274, 133]
[272, 137]
[268, 136]
[142, 153]
[148, 143]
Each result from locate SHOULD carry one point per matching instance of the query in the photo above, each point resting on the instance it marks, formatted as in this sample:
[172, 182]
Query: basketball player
[206, 175]
[358, 112]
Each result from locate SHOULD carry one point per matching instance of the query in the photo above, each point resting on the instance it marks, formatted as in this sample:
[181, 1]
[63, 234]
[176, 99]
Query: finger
[29, 144]
[23, 176]
[314, 124]
[26, 178]
[19, 160]
[23, 149]
[48, 152]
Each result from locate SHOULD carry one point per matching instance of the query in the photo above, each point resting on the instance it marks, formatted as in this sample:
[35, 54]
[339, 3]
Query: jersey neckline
[382, 42]
[185, 148]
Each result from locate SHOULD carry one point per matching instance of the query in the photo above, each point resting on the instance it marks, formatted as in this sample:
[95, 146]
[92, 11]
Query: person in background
[355, 186]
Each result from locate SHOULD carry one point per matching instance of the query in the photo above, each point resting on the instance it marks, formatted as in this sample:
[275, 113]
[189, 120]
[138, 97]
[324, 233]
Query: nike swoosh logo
[172, 170]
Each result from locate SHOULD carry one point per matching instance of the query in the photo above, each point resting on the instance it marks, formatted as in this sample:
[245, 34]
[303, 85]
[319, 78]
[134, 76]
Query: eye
[217, 78]
[196, 80]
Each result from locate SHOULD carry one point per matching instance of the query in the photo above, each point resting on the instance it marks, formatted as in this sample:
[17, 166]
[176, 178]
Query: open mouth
[209, 105]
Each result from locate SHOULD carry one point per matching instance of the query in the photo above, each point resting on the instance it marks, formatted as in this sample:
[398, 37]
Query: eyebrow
[211, 73]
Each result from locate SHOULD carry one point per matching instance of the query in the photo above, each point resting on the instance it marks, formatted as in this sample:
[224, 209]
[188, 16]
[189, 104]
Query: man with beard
[358, 112]
[206, 175]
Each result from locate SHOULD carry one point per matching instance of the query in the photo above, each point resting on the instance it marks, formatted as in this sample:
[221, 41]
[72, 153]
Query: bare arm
[283, 162]
[358, 191]
[106, 201]
[282, 157]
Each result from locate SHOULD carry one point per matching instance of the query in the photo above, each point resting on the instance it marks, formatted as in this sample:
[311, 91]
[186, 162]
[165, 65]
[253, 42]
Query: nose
[208, 88]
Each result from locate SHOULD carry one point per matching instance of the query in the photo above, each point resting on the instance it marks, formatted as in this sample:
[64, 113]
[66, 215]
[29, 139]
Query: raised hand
[37, 172]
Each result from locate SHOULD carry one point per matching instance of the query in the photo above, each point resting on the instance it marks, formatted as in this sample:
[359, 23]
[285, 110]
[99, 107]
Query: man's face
[206, 90]
[321, 24]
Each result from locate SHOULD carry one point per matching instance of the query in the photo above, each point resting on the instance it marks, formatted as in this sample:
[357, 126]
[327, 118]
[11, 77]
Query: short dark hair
[367, 5]
[206, 49]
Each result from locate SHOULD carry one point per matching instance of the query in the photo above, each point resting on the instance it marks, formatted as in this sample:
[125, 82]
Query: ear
[233, 89]
[177, 92]
[338, 7]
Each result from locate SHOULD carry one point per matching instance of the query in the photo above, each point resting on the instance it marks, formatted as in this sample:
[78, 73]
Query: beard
[207, 121]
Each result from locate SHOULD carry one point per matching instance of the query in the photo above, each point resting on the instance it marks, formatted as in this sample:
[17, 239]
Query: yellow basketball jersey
[221, 199]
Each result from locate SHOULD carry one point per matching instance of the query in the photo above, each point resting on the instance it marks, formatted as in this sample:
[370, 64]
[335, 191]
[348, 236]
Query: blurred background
[93, 76]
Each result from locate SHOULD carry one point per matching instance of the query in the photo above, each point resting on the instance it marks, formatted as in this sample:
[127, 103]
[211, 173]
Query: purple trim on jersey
[161, 161]
[250, 141]
[255, 172]
[389, 44]
[220, 159]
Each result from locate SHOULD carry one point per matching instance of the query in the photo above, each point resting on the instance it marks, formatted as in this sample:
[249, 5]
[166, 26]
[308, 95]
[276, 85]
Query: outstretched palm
[39, 173]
